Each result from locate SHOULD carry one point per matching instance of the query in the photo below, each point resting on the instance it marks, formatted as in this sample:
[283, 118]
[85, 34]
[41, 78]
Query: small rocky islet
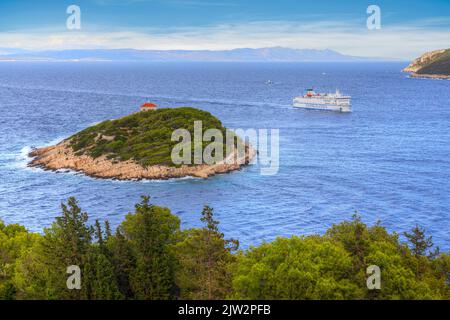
[139, 146]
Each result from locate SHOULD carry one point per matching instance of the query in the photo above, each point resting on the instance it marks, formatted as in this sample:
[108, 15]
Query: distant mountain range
[272, 54]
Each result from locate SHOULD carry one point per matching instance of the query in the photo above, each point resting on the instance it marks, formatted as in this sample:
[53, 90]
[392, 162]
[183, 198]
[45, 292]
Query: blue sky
[408, 27]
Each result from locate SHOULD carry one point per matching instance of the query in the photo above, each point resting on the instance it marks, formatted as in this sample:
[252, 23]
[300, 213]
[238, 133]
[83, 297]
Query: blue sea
[388, 160]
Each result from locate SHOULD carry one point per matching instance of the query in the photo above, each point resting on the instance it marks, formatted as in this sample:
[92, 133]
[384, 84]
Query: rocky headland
[432, 65]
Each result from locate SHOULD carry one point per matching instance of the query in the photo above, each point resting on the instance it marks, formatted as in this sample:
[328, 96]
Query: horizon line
[25, 51]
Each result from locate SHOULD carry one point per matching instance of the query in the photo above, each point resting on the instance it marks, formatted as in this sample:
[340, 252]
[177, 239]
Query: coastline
[61, 156]
[429, 76]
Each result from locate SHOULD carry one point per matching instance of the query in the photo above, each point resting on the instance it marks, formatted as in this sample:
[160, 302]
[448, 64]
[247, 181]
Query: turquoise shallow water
[388, 160]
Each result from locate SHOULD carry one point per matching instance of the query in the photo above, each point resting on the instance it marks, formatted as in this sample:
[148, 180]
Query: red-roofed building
[148, 106]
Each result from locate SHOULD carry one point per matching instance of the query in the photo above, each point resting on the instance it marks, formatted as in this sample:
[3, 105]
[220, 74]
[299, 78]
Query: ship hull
[330, 107]
[339, 105]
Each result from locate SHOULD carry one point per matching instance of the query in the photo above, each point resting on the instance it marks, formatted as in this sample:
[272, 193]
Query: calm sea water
[388, 160]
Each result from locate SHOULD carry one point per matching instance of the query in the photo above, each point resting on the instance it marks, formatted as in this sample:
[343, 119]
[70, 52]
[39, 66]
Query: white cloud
[397, 41]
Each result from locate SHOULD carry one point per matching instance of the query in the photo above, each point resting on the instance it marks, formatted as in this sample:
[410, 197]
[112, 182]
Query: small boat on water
[323, 101]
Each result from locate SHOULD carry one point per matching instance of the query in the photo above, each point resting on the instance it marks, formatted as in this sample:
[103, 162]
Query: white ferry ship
[324, 101]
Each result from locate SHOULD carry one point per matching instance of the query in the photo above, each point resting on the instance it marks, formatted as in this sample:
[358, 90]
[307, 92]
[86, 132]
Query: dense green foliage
[333, 266]
[149, 257]
[149, 233]
[144, 137]
[204, 257]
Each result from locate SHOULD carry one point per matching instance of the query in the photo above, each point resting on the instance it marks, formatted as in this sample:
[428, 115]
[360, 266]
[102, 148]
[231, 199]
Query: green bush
[144, 137]
[149, 257]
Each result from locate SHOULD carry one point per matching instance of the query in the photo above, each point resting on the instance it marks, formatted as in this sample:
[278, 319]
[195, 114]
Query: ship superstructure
[323, 101]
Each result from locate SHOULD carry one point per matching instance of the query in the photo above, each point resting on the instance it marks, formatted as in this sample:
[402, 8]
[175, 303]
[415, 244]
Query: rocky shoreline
[429, 76]
[61, 156]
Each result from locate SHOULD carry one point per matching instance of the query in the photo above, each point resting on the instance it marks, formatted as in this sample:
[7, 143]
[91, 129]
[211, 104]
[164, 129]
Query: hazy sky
[408, 28]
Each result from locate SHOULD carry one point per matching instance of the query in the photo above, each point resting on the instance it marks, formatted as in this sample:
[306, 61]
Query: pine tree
[107, 230]
[67, 242]
[208, 219]
[419, 242]
[205, 259]
[98, 233]
[151, 231]
[123, 261]
[99, 278]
